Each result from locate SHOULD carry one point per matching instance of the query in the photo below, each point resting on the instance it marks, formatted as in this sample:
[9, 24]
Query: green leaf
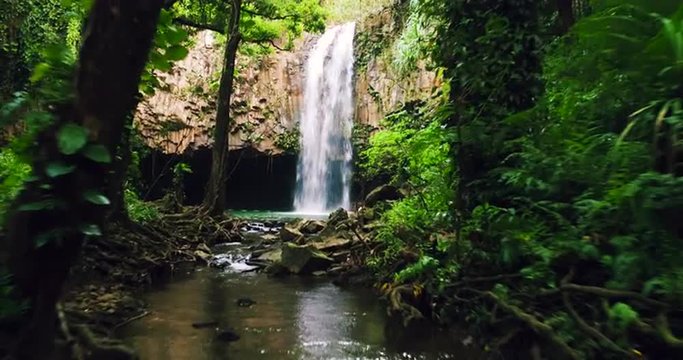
[97, 153]
[71, 138]
[58, 168]
[39, 72]
[48, 236]
[175, 35]
[90, 229]
[176, 52]
[38, 205]
[96, 197]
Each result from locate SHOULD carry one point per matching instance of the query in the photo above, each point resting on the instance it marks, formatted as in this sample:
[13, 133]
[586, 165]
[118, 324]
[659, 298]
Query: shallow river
[293, 318]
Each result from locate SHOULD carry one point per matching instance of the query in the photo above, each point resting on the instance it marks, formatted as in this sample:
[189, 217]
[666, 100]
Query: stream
[291, 318]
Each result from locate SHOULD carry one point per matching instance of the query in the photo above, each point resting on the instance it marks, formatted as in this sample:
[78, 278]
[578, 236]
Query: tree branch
[270, 17]
[196, 25]
[264, 42]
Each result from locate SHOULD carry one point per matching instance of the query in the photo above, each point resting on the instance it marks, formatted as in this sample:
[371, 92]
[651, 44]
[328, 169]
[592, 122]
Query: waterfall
[324, 169]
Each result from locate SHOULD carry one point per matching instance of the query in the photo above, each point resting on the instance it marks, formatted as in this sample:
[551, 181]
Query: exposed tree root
[614, 294]
[398, 304]
[542, 329]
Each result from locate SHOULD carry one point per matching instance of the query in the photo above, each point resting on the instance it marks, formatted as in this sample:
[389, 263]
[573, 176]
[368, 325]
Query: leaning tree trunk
[57, 211]
[215, 196]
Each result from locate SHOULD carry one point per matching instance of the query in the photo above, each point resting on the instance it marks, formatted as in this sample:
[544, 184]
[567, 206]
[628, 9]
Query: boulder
[202, 256]
[290, 234]
[203, 247]
[331, 244]
[270, 256]
[269, 238]
[227, 336]
[312, 227]
[366, 214]
[304, 259]
[382, 193]
[337, 217]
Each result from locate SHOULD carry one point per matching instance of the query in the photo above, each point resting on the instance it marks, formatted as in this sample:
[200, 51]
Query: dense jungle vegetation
[543, 180]
[541, 190]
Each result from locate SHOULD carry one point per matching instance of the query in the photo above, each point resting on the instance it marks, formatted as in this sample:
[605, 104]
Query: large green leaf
[176, 52]
[96, 197]
[97, 153]
[38, 205]
[71, 138]
[90, 229]
[58, 168]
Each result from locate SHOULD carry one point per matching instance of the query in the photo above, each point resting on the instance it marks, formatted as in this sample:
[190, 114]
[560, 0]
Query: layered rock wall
[268, 91]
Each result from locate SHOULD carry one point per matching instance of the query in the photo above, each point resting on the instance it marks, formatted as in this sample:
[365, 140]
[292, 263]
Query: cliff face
[264, 105]
[269, 91]
[380, 89]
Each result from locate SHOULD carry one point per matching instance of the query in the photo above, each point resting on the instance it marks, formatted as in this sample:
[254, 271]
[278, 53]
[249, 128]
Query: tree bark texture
[215, 195]
[114, 52]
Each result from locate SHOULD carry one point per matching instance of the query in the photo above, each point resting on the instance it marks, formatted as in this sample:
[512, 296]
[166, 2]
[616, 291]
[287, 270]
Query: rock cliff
[268, 91]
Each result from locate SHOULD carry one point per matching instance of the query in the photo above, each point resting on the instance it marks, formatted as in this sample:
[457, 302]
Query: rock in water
[202, 256]
[227, 336]
[245, 302]
[288, 234]
[304, 259]
[204, 324]
[312, 227]
[337, 216]
[332, 243]
[270, 256]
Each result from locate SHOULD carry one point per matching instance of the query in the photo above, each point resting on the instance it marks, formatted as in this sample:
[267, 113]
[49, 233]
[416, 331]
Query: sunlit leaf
[90, 230]
[39, 72]
[96, 197]
[97, 153]
[176, 52]
[58, 168]
[71, 138]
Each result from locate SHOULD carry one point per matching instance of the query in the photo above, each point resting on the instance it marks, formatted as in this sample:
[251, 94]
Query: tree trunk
[112, 58]
[215, 196]
[117, 180]
[565, 10]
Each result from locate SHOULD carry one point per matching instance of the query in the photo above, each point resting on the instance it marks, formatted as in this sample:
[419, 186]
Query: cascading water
[324, 169]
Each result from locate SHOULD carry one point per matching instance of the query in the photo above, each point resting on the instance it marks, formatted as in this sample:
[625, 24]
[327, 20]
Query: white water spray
[324, 169]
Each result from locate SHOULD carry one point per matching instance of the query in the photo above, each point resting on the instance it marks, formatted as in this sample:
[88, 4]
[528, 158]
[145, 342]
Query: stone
[312, 227]
[203, 247]
[276, 270]
[304, 259]
[227, 336]
[245, 302]
[366, 214]
[269, 238]
[271, 256]
[288, 234]
[202, 256]
[204, 324]
[332, 243]
[382, 193]
[337, 217]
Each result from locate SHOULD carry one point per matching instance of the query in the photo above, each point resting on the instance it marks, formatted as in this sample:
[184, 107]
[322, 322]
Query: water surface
[293, 318]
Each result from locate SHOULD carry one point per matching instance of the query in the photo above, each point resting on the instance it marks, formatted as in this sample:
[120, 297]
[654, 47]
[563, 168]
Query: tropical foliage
[561, 206]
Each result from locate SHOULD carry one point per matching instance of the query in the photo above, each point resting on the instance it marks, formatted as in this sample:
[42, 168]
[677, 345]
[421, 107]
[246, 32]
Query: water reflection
[293, 318]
